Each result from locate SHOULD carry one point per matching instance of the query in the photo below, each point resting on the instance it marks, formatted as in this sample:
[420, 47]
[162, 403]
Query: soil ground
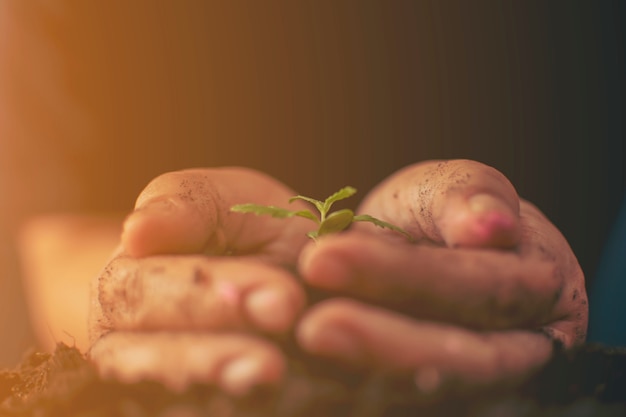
[586, 381]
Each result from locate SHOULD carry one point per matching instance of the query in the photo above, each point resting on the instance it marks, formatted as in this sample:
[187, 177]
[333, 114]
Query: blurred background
[99, 97]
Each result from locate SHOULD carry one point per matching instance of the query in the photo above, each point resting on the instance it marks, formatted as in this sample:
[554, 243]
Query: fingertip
[275, 308]
[482, 221]
[162, 226]
[322, 331]
[323, 263]
[308, 329]
[241, 375]
[307, 255]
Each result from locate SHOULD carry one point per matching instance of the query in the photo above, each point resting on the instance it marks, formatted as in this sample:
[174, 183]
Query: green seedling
[327, 223]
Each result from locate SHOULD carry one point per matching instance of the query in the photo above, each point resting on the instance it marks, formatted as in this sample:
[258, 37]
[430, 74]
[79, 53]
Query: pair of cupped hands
[477, 297]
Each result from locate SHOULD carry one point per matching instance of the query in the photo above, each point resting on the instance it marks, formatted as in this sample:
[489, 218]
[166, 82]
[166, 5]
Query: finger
[193, 293]
[546, 243]
[189, 212]
[366, 336]
[236, 363]
[473, 287]
[456, 203]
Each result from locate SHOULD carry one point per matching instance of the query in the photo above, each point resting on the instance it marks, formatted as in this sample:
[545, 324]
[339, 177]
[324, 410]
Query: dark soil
[587, 381]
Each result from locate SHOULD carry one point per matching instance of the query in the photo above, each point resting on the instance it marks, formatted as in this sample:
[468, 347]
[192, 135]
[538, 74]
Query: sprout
[327, 223]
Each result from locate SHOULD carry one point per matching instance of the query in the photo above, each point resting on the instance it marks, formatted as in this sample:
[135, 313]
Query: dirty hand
[479, 298]
[192, 283]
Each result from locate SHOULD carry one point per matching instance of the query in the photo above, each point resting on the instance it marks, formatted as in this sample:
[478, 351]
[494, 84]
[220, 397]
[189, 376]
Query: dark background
[97, 98]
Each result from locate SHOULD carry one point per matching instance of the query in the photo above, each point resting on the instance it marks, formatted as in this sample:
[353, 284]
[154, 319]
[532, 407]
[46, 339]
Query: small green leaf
[336, 222]
[277, 212]
[307, 215]
[318, 204]
[342, 194]
[380, 223]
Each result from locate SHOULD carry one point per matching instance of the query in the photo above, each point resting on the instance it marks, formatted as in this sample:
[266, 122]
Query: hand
[473, 301]
[192, 283]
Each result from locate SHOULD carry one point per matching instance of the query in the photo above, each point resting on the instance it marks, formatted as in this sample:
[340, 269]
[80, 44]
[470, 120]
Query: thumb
[173, 214]
[455, 203]
[189, 212]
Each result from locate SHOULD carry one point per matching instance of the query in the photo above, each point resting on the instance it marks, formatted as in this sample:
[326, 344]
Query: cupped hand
[479, 298]
[192, 283]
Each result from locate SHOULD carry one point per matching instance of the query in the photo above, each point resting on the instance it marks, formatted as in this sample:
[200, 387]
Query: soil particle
[200, 277]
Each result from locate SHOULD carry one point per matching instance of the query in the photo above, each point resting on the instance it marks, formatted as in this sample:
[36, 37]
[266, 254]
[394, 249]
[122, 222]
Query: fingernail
[483, 203]
[142, 229]
[241, 375]
[155, 208]
[495, 222]
[271, 308]
[492, 211]
[159, 205]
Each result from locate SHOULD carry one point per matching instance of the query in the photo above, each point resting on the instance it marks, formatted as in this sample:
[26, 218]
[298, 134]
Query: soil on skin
[587, 381]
